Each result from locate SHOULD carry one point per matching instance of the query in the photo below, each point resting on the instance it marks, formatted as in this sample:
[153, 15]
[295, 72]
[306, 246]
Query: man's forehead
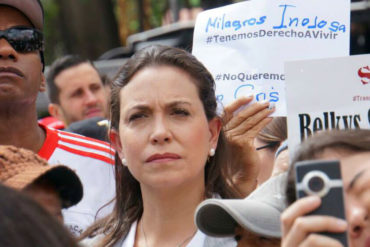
[83, 74]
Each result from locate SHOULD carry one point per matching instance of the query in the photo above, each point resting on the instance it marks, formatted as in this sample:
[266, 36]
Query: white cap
[258, 213]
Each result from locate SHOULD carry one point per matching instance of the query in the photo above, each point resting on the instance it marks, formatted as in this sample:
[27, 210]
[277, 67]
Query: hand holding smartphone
[323, 178]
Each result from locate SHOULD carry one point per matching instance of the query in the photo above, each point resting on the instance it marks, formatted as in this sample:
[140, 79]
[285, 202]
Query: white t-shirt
[93, 161]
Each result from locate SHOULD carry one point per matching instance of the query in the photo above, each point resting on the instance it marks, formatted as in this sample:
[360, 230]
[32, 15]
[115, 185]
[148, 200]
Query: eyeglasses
[24, 39]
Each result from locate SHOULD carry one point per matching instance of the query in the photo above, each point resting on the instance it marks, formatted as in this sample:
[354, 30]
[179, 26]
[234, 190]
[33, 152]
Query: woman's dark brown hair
[129, 205]
[274, 133]
[313, 148]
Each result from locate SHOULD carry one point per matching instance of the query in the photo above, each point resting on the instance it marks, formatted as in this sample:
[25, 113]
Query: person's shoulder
[85, 146]
[96, 127]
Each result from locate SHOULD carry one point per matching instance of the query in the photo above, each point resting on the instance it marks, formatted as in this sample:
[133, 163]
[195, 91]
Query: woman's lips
[163, 157]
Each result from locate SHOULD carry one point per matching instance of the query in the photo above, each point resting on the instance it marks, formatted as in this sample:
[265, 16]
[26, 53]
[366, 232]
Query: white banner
[327, 94]
[245, 45]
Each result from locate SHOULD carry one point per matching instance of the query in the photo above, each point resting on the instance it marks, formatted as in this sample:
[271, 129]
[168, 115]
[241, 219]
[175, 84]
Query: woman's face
[353, 166]
[164, 134]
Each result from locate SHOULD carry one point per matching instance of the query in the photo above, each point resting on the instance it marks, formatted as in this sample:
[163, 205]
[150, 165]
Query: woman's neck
[168, 217]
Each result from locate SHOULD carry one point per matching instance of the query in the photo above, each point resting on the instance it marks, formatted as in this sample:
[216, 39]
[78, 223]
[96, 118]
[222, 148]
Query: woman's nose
[161, 133]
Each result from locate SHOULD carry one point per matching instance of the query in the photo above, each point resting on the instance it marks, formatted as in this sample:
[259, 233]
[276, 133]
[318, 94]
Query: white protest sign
[245, 45]
[327, 94]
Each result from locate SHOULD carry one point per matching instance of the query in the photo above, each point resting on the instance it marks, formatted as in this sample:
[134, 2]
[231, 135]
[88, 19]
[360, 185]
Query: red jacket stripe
[88, 154]
[88, 145]
[84, 137]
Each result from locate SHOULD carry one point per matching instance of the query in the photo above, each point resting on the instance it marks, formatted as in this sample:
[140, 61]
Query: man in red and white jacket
[93, 162]
[21, 78]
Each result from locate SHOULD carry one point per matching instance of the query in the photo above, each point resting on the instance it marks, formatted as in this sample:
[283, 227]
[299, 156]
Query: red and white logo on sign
[364, 74]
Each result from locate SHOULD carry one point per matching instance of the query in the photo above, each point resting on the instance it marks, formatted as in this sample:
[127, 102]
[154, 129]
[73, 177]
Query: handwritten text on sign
[245, 45]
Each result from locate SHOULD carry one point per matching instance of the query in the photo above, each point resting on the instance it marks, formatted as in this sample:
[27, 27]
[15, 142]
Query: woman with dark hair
[267, 143]
[25, 223]
[171, 151]
[352, 149]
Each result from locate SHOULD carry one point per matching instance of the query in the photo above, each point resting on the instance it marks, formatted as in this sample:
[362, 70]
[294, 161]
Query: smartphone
[323, 178]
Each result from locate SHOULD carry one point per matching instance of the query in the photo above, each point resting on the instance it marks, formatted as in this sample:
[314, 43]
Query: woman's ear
[215, 126]
[116, 142]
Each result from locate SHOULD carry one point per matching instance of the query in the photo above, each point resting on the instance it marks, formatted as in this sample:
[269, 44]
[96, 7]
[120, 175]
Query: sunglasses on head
[24, 39]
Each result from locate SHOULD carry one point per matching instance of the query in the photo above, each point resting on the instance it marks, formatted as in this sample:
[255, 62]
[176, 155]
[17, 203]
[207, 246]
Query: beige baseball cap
[20, 168]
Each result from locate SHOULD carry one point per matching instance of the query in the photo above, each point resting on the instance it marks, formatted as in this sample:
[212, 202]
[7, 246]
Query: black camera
[323, 178]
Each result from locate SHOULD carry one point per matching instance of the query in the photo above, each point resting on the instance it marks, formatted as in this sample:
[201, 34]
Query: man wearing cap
[53, 187]
[21, 78]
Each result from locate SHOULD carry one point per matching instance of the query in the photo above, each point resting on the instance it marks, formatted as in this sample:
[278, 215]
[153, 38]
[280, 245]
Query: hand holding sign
[241, 128]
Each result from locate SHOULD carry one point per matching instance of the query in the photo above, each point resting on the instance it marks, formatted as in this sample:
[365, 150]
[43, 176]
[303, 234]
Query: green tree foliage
[63, 36]
[54, 46]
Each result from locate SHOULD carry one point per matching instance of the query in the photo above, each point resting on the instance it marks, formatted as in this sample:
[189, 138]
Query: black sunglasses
[24, 39]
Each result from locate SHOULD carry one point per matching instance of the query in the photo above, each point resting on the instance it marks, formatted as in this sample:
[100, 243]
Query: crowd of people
[167, 170]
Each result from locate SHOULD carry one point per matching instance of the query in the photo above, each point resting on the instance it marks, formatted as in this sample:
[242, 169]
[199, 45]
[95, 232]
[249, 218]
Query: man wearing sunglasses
[21, 78]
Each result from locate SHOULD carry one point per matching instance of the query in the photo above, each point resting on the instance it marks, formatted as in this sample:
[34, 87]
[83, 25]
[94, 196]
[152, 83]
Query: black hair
[25, 223]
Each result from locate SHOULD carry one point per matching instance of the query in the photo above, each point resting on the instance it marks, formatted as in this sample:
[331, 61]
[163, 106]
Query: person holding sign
[352, 149]
[243, 122]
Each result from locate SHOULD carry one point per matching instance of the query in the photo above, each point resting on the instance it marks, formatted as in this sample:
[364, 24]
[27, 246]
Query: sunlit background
[92, 27]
